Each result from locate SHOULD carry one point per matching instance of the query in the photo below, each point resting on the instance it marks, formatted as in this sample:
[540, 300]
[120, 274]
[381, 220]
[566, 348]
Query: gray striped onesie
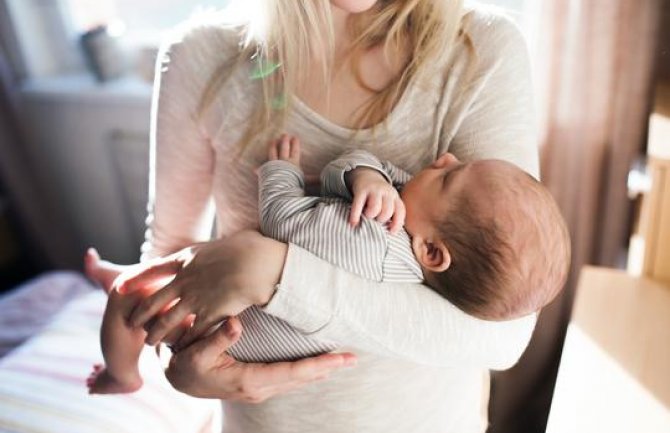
[320, 225]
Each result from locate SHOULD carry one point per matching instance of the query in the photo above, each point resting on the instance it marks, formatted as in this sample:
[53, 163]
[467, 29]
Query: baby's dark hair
[510, 250]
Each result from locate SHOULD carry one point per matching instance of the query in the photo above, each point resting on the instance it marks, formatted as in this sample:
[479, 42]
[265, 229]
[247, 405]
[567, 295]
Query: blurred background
[75, 91]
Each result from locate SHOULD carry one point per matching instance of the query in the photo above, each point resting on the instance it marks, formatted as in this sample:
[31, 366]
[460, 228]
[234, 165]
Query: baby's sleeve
[281, 198]
[398, 176]
[332, 176]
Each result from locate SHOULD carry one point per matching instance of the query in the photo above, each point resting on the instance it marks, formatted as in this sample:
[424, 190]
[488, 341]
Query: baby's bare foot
[101, 382]
[101, 271]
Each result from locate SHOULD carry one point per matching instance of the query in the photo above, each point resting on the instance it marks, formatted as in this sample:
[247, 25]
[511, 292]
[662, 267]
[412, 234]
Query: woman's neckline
[345, 132]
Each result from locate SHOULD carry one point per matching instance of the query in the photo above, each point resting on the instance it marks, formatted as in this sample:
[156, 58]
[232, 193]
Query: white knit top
[423, 364]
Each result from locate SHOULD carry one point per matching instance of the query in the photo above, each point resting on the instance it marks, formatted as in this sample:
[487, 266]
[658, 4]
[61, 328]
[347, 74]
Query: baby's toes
[97, 368]
[91, 263]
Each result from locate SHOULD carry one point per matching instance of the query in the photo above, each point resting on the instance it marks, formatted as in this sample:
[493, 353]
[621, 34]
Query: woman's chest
[345, 95]
[235, 183]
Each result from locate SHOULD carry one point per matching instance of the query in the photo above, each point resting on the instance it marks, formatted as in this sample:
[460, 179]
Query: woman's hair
[285, 37]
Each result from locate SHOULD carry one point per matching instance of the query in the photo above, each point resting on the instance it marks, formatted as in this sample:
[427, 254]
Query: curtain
[44, 223]
[593, 63]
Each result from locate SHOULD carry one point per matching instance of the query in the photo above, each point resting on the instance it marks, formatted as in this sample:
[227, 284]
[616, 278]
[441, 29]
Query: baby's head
[489, 237]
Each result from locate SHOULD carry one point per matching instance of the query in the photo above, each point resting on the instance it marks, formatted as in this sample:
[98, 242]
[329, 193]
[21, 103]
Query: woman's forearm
[405, 321]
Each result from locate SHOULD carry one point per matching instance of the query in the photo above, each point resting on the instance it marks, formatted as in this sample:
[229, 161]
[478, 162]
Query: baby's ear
[432, 255]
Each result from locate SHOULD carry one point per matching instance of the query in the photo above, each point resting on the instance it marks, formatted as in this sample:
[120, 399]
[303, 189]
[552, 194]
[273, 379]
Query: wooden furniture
[650, 243]
[655, 221]
[614, 374]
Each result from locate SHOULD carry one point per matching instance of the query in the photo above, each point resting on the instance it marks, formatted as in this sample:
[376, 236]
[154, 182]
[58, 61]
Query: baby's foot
[101, 382]
[101, 271]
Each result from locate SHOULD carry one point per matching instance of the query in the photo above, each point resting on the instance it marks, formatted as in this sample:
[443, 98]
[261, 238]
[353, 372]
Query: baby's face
[426, 195]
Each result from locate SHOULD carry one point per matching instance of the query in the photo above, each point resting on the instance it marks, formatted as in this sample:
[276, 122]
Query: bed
[48, 343]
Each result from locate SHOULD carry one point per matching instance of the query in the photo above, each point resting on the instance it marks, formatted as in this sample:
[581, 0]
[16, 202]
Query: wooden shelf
[615, 367]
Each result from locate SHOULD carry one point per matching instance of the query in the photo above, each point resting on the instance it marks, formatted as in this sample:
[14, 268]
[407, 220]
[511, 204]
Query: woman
[405, 79]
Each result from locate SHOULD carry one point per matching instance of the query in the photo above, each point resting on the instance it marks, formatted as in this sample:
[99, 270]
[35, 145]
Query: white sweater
[423, 364]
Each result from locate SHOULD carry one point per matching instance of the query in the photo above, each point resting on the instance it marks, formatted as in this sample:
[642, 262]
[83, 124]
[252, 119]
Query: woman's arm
[406, 321]
[180, 186]
[410, 321]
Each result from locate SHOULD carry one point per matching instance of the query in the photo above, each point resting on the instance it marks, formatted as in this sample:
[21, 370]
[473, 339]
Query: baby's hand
[285, 148]
[375, 198]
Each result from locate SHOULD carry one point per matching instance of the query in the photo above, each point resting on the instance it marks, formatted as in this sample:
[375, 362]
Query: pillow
[43, 385]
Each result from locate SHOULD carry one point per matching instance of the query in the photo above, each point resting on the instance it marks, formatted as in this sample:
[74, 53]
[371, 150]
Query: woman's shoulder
[202, 42]
[493, 32]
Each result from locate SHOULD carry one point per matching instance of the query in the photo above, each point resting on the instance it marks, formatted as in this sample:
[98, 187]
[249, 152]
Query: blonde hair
[284, 37]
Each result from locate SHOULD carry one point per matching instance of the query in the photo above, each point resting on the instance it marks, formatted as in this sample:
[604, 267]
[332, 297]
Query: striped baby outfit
[321, 226]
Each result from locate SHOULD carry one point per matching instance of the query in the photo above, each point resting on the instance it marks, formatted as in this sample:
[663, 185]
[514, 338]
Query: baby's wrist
[361, 175]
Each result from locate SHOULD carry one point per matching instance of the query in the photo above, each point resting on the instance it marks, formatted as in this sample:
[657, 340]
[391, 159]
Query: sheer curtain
[594, 62]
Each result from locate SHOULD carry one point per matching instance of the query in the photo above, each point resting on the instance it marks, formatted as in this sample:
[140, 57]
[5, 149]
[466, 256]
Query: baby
[484, 235]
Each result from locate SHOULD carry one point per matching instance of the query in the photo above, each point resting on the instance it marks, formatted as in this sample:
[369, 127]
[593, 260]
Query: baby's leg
[121, 348]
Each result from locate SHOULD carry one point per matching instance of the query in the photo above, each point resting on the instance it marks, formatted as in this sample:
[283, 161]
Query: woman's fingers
[167, 322]
[203, 369]
[154, 304]
[220, 340]
[258, 382]
[177, 333]
[297, 372]
[197, 330]
[149, 275]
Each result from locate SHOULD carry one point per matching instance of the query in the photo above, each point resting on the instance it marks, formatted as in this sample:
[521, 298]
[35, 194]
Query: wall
[90, 145]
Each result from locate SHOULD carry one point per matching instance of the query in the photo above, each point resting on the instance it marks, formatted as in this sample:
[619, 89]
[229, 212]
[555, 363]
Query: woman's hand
[214, 281]
[205, 370]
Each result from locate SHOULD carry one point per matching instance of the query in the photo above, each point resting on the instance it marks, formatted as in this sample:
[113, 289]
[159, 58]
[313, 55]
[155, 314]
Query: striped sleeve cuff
[332, 176]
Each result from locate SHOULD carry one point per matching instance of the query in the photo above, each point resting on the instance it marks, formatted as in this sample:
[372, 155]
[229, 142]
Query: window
[45, 33]
[141, 18]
